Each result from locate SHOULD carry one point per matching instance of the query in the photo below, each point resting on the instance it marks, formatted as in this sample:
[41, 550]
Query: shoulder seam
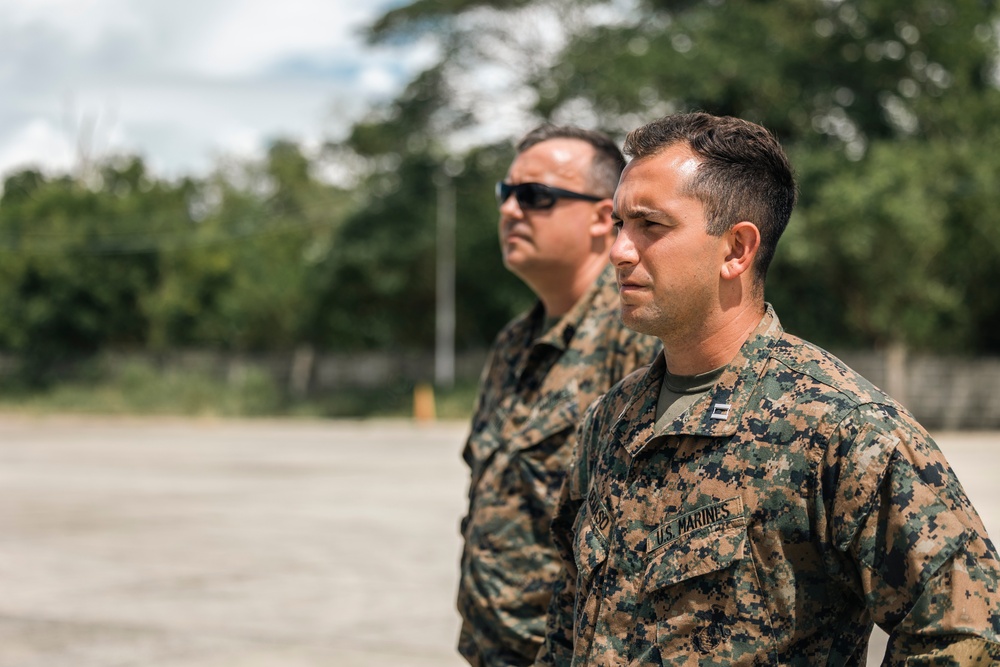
[875, 397]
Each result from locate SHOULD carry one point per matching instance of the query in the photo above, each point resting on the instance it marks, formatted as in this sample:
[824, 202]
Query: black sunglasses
[535, 196]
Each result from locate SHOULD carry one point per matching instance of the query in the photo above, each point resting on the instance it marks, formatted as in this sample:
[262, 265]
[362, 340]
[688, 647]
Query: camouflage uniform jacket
[769, 524]
[533, 393]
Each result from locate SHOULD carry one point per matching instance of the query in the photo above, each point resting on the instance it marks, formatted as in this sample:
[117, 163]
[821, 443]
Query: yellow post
[423, 402]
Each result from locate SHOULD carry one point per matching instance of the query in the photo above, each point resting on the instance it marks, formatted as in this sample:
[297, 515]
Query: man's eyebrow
[636, 212]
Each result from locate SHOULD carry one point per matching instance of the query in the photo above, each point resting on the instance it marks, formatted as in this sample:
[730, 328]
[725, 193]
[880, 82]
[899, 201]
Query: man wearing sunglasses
[545, 368]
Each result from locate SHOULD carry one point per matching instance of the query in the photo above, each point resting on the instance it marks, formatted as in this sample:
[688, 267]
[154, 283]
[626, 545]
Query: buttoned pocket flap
[554, 414]
[696, 550]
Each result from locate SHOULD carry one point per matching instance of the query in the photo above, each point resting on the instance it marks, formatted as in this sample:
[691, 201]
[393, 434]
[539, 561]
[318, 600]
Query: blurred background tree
[245, 279]
[886, 107]
[75, 268]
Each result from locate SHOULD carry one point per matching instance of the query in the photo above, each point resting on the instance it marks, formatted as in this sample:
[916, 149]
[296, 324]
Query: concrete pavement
[211, 544]
[200, 543]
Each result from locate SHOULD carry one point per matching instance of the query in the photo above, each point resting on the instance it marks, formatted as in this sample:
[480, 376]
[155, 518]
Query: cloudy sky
[184, 82]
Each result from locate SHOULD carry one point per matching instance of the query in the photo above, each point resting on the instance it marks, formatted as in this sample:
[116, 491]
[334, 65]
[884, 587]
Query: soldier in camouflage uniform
[748, 499]
[544, 369]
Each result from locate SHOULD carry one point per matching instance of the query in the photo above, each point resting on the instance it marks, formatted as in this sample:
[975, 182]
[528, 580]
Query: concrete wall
[942, 392]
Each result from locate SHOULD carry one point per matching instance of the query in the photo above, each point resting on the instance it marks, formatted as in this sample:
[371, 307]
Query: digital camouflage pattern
[770, 524]
[533, 393]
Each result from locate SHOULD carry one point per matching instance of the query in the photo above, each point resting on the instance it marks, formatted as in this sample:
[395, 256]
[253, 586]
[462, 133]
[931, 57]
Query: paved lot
[178, 543]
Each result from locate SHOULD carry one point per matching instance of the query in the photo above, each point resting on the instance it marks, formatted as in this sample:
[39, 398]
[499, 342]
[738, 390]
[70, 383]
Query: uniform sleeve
[925, 566]
[557, 648]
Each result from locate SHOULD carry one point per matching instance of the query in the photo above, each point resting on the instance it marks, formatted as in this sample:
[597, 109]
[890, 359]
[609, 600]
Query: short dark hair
[743, 173]
[607, 165]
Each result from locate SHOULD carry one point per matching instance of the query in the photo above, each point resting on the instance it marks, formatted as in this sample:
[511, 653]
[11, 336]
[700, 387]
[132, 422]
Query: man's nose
[510, 208]
[623, 249]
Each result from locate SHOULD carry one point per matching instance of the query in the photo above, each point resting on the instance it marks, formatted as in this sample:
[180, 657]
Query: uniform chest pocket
[552, 414]
[701, 588]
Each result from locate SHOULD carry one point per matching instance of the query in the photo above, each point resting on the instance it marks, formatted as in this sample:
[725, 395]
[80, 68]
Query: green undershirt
[680, 392]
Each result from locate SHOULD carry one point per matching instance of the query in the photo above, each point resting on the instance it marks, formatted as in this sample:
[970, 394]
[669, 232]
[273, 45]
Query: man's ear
[602, 223]
[743, 242]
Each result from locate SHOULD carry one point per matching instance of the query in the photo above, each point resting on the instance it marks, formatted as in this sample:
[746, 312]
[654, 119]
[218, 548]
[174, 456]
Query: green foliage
[144, 388]
[380, 289]
[68, 284]
[395, 400]
[260, 256]
[429, 15]
[407, 123]
[899, 247]
[115, 259]
[852, 71]
[245, 281]
[872, 235]
[141, 388]
[886, 106]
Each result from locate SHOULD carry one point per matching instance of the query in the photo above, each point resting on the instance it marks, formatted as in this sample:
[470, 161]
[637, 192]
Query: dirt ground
[201, 543]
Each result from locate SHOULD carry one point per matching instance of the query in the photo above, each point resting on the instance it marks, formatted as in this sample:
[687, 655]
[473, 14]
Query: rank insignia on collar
[721, 411]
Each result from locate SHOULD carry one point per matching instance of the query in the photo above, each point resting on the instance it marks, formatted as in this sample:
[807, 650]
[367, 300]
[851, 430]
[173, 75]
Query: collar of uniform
[716, 414]
[562, 332]
[634, 426]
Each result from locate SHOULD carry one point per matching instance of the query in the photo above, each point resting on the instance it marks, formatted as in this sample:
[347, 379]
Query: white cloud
[185, 81]
[38, 145]
[256, 33]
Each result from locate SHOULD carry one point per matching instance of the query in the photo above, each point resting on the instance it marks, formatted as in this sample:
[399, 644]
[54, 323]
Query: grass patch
[391, 401]
[141, 388]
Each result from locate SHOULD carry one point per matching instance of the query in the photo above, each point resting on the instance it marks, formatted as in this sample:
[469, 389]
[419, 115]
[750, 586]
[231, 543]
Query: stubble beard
[635, 320]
